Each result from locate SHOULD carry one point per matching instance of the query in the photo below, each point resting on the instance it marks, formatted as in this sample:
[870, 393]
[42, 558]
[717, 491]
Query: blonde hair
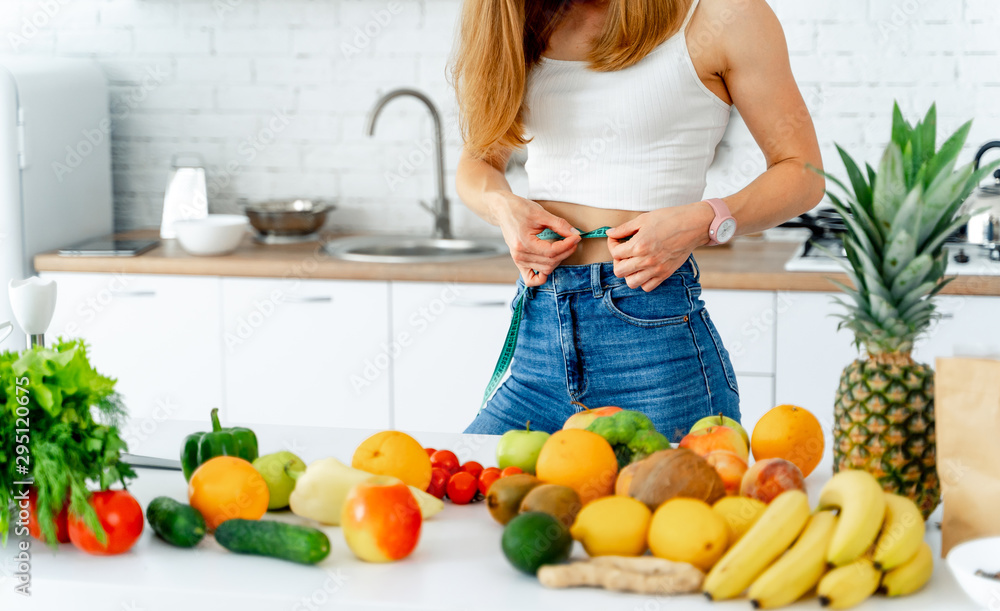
[500, 41]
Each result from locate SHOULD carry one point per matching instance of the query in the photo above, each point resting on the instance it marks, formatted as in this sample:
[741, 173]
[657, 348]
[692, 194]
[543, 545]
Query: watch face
[726, 230]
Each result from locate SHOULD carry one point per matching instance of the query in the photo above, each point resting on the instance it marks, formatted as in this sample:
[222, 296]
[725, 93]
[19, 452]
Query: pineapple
[897, 222]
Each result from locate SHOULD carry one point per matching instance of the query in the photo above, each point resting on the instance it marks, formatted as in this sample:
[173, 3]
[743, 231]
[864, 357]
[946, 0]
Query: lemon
[687, 530]
[612, 526]
[740, 513]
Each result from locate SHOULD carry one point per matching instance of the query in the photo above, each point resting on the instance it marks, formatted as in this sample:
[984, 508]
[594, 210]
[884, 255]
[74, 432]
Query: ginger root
[644, 575]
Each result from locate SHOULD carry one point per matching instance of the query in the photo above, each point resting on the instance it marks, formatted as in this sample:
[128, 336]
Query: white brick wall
[206, 76]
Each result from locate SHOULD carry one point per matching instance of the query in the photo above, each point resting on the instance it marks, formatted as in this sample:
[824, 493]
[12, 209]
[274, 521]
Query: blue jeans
[586, 336]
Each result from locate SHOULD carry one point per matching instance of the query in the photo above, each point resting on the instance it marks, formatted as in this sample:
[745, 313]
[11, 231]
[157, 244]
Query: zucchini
[300, 544]
[176, 523]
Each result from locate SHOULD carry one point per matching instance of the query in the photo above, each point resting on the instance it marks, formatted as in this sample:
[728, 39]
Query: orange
[227, 487]
[580, 459]
[789, 432]
[397, 454]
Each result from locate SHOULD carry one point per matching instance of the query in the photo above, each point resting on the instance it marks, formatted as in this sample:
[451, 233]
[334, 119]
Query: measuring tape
[507, 354]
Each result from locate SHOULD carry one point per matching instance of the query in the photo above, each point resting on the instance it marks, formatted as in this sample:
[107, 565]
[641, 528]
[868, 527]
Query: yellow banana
[910, 576]
[848, 585]
[902, 533]
[862, 509]
[770, 535]
[798, 570]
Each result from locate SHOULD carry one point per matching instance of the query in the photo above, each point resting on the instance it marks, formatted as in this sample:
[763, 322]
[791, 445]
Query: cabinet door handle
[947, 316]
[137, 294]
[485, 303]
[309, 299]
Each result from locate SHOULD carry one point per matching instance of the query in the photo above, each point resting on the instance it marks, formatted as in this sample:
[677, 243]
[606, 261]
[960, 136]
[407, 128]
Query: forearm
[787, 189]
[476, 180]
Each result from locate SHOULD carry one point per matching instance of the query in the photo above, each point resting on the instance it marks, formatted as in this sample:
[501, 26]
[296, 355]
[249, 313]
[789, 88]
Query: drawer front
[746, 322]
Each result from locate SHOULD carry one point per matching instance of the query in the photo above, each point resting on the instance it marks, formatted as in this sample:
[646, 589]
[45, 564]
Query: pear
[320, 491]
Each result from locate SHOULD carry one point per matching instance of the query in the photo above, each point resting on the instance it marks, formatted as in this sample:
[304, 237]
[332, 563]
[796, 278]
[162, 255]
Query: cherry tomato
[461, 488]
[511, 470]
[439, 482]
[487, 477]
[35, 527]
[473, 468]
[430, 451]
[446, 460]
[121, 517]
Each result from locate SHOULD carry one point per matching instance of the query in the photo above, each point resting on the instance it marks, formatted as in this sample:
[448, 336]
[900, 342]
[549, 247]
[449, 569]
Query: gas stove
[963, 259]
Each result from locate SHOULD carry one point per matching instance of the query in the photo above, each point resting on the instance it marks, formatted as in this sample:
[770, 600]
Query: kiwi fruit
[505, 495]
[560, 502]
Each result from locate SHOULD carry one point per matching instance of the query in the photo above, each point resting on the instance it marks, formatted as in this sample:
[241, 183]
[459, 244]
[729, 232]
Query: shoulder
[736, 28]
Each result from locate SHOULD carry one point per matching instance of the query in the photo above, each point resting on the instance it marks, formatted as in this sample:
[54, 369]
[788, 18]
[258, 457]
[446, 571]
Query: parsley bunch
[73, 422]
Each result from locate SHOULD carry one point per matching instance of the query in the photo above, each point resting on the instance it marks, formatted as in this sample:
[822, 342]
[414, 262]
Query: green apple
[279, 485]
[721, 420]
[520, 448]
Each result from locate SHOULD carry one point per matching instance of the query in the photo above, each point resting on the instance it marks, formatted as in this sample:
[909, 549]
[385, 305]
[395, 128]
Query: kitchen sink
[412, 249]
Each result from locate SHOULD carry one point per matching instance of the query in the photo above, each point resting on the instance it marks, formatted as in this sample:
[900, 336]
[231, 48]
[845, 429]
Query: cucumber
[176, 523]
[300, 544]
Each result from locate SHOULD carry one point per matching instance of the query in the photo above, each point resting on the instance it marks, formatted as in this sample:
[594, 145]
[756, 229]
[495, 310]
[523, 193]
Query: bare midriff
[587, 218]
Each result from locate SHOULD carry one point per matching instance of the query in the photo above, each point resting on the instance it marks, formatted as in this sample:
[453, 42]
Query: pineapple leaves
[890, 188]
[862, 190]
[944, 161]
[898, 254]
[911, 275]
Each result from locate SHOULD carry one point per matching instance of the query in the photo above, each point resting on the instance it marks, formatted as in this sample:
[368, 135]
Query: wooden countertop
[746, 264]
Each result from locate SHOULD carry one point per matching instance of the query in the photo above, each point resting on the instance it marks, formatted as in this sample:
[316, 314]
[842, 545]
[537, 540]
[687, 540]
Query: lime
[533, 539]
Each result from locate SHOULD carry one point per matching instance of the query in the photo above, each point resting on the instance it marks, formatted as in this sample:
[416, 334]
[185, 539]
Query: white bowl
[965, 559]
[216, 234]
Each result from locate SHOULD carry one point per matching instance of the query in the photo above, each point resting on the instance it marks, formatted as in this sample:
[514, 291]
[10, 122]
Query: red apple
[705, 441]
[721, 420]
[730, 468]
[768, 478]
[582, 420]
[381, 520]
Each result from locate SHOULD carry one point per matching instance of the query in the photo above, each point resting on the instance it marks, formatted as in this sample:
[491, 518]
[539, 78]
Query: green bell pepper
[200, 447]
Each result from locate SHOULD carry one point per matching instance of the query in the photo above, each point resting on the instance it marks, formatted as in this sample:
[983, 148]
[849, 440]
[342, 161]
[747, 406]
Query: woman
[620, 104]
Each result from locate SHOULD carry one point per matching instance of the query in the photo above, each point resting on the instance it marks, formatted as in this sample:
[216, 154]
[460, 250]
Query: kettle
[186, 196]
[984, 227]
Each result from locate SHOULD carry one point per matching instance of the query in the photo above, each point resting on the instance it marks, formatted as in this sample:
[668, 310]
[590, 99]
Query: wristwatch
[723, 226]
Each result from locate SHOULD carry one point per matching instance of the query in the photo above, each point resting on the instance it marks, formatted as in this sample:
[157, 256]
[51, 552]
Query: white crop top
[639, 139]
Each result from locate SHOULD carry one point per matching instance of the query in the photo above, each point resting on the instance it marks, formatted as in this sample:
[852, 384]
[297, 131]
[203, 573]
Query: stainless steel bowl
[292, 220]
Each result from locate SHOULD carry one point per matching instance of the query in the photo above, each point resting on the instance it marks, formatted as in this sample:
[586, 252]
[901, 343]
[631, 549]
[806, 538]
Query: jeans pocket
[721, 352]
[666, 305]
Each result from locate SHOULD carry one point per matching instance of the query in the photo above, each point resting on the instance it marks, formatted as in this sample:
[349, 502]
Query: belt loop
[595, 280]
[695, 268]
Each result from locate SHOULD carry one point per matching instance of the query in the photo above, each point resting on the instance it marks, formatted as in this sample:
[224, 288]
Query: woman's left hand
[659, 242]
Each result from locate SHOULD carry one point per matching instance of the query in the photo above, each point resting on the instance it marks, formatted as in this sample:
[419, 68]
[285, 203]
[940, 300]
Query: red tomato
[461, 488]
[446, 460]
[487, 477]
[511, 470]
[35, 528]
[121, 517]
[439, 482]
[473, 468]
[430, 451]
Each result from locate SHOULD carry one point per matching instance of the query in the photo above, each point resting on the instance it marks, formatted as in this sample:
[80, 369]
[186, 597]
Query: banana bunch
[860, 539]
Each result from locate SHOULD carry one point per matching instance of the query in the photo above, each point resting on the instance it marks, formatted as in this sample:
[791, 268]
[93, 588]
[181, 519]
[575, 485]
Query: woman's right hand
[521, 220]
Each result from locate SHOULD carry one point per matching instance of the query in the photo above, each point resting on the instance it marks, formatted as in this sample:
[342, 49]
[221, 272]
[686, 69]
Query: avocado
[534, 539]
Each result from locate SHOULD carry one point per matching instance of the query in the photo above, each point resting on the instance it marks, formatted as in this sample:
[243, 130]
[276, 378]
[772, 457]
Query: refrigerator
[55, 164]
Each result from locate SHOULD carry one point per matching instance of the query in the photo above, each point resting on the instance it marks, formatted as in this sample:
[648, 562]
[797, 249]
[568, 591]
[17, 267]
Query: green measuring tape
[507, 354]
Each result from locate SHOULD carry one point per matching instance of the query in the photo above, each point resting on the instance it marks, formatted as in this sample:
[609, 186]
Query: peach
[582, 420]
[730, 468]
[704, 441]
[768, 478]
[381, 520]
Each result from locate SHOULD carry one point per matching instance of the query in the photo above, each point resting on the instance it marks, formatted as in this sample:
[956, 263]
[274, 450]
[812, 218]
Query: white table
[457, 565]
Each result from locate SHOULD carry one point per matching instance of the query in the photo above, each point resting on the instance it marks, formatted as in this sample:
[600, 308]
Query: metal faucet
[441, 209]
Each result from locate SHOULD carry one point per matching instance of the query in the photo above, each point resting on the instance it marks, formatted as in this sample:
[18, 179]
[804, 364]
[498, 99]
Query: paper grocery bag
[967, 415]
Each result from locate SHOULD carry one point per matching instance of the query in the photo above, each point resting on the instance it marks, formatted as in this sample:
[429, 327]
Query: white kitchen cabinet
[158, 335]
[745, 320]
[756, 398]
[966, 324]
[447, 339]
[308, 352]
